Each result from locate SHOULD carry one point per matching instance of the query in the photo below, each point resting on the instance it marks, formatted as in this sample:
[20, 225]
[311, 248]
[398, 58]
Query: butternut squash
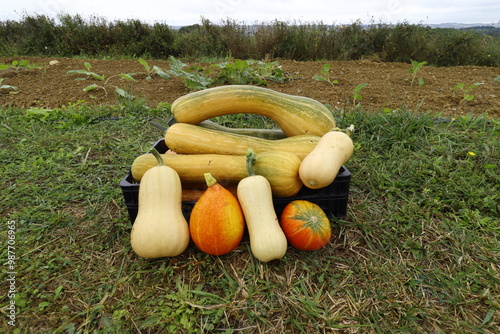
[267, 240]
[320, 167]
[280, 168]
[295, 115]
[193, 139]
[160, 229]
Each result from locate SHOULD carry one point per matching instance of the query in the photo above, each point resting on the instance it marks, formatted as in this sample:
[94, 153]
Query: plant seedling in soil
[150, 71]
[415, 67]
[325, 75]
[18, 65]
[87, 72]
[14, 89]
[195, 78]
[244, 72]
[90, 74]
[467, 90]
[356, 96]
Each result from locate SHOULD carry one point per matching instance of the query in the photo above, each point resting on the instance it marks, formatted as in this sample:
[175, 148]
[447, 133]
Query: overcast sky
[186, 12]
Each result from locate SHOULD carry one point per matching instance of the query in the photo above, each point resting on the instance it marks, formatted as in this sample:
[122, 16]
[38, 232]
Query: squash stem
[251, 159]
[348, 131]
[158, 126]
[158, 157]
[209, 179]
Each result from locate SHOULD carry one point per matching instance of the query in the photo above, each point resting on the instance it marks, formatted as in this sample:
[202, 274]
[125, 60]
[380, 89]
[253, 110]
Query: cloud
[250, 11]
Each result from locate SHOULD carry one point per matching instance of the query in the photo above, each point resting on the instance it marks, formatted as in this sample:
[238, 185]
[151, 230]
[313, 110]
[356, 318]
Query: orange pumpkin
[216, 223]
[305, 225]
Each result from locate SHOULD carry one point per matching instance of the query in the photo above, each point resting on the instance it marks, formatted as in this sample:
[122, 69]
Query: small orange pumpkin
[305, 225]
[216, 223]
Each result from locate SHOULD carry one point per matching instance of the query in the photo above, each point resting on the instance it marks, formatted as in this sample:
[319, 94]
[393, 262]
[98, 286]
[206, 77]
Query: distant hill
[460, 25]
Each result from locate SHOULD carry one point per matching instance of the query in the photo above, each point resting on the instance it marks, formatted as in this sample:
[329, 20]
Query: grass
[419, 251]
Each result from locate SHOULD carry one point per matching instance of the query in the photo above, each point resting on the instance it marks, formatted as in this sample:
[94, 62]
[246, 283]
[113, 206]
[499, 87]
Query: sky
[187, 12]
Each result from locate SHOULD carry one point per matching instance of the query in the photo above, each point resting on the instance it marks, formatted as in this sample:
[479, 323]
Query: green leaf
[240, 65]
[318, 77]
[58, 291]
[128, 76]
[360, 87]
[144, 63]
[43, 305]
[161, 72]
[91, 87]
[123, 93]
[489, 316]
[85, 72]
[8, 87]
[97, 76]
[176, 65]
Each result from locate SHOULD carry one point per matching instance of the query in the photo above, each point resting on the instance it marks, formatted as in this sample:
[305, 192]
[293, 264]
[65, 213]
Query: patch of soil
[49, 86]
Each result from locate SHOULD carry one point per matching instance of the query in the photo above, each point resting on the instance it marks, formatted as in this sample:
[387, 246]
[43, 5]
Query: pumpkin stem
[209, 179]
[251, 159]
[158, 157]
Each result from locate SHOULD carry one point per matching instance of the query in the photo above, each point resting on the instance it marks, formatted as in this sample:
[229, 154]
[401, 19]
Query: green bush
[35, 35]
[76, 36]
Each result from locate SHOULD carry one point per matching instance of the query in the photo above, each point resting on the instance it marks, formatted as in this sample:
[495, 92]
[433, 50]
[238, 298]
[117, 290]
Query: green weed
[415, 68]
[88, 74]
[467, 90]
[18, 65]
[236, 72]
[325, 75]
[356, 96]
[244, 72]
[194, 77]
[12, 89]
[150, 71]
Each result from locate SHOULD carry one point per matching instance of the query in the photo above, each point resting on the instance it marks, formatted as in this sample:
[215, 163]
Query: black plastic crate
[332, 199]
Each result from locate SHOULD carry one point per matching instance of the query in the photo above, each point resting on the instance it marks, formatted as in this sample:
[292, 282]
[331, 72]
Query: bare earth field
[49, 86]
